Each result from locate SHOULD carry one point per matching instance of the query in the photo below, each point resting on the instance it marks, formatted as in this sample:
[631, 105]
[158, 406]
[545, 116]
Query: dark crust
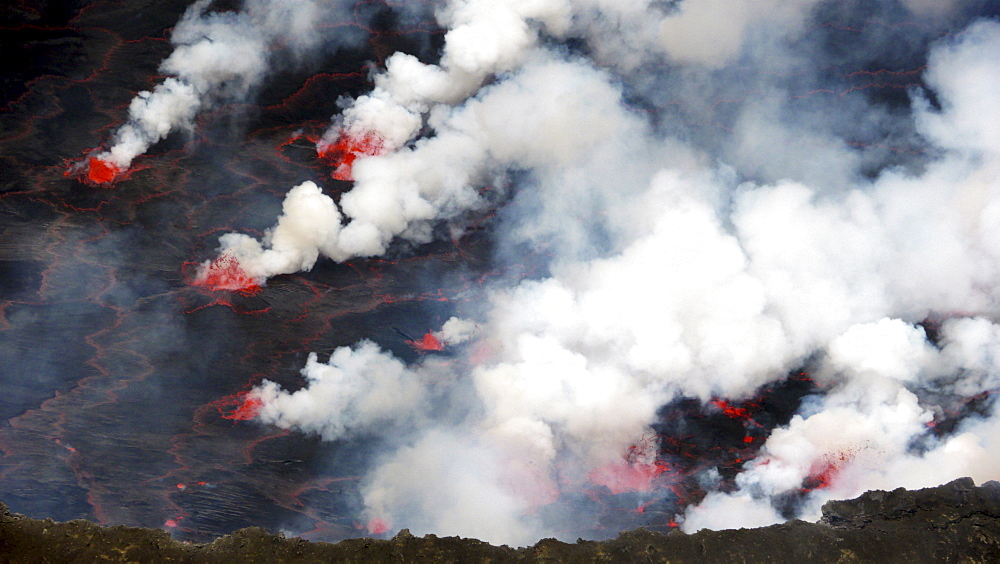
[954, 522]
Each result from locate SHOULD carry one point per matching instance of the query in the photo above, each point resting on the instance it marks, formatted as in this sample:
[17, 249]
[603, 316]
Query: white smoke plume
[573, 110]
[924, 244]
[702, 262]
[362, 386]
[219, 57]
[485, 38]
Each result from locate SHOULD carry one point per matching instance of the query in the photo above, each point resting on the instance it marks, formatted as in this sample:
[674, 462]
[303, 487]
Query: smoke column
[220, 56]
[719, 194]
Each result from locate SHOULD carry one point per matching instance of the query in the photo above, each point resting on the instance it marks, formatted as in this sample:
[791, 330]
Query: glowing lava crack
[342, 153]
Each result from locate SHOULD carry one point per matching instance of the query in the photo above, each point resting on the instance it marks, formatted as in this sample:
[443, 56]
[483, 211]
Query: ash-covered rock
[941, 506]
[956, 522]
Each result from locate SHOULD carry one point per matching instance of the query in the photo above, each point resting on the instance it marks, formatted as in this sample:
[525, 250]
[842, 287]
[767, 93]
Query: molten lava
[101, 171]
[820, 478]
[825, 470]
[731, 411]
[226, 274]
[429, 343]
[621, 477]
[247, 410]
[636, 473]
[377, 526]
[342, 153]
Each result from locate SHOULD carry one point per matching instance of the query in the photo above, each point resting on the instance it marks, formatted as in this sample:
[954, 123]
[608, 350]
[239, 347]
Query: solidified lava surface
[955, 522]
[125, 377]
[121, 378]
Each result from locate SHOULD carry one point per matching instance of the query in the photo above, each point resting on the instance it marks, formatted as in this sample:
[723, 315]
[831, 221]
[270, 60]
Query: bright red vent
[226, 274]
[342, 153]
[100, 171]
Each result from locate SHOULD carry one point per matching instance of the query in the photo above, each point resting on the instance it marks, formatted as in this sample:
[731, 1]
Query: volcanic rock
[955, 522]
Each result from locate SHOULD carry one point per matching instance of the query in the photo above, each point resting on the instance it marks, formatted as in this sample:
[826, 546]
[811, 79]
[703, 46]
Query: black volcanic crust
[956, 522]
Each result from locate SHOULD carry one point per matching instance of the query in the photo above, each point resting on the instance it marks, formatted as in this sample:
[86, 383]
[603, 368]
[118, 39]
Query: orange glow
[825, 471]
[249, 409]
[621, 477]
[342, 153]
[429, 343]
[821, 478]
[731, 411]
[226, 274]
[636, 472]
[101, 171]
[483, 353]
[377, 526]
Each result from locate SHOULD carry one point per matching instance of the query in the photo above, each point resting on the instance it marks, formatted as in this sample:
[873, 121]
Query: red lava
[429, 343]
[226, 274]
[633, 474]
[621, 477]
[101, 171]
[249, 409]
[642, 508]
[825, 470]
[377, 526]
[820, 479]
[730, 410]
[342, 153]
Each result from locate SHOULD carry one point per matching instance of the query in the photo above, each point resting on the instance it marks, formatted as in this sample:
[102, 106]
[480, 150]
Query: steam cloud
[219, 57]
[703, 252]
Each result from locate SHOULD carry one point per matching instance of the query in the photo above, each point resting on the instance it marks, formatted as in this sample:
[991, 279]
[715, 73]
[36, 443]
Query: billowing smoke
[220, 56]
[719, 200]
[404, 193]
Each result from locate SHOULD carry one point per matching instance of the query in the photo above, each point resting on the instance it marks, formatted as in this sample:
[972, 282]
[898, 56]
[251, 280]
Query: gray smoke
[718, 206]
[219, 57]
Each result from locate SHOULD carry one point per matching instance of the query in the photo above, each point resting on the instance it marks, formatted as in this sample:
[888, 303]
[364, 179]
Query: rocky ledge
[954, 522]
